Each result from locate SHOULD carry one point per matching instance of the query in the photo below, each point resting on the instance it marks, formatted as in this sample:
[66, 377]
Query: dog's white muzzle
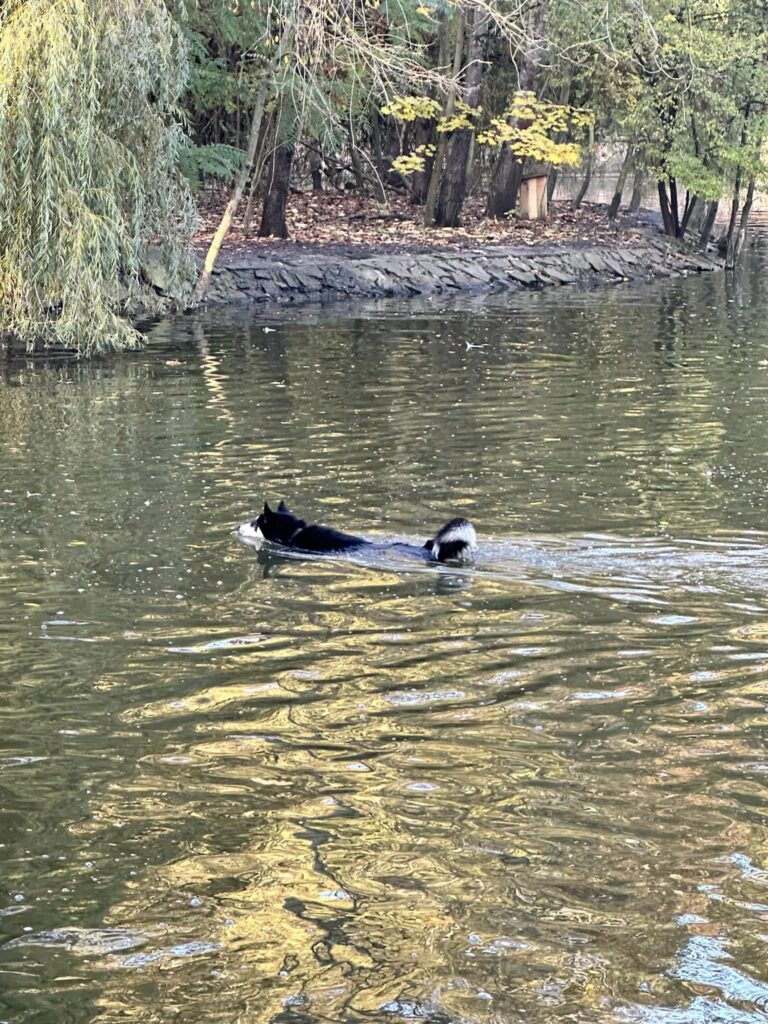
[250, 533]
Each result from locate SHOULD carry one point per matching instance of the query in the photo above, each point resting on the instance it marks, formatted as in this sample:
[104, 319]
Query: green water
[238, 787]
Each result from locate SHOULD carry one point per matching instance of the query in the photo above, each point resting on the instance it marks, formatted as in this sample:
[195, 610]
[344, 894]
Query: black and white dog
[454, 543]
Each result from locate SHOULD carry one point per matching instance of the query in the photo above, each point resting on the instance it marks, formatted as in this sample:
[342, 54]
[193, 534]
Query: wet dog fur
[455, 542]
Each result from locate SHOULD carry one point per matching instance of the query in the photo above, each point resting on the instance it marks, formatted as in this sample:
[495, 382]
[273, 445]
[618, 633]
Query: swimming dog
[455, 542]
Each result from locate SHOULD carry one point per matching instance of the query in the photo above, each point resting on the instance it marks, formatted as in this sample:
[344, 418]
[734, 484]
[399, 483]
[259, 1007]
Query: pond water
[243, 787]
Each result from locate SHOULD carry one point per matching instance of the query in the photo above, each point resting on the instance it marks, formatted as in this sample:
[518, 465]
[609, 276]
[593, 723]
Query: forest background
[118, 116]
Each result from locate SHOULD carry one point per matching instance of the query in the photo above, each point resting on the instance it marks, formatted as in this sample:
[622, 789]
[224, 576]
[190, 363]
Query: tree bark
[273, 221]
[354, 153]
[420, 135]
[554, 173]
[453, 188]
[505, 184]
[377, 181]
[666, 212]
[316, 170]
[637, 188]
[730, 235]
[449, 108]
[266, 139]
[378, 155]
[741, 235]
[696, 215]
[730, 252]
[691, 204]
[674, 207]
[579, 198]
[629, 156]
[709, 223]
[508, 170]
[237, 194]
[391, 150]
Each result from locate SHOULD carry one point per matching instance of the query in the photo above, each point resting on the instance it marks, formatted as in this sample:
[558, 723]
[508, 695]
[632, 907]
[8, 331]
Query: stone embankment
[324, 275]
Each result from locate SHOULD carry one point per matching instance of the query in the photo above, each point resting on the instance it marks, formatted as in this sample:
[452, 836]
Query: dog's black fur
[453, 542]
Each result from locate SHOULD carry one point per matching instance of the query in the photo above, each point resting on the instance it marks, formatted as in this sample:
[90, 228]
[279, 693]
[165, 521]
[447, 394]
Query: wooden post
[533, 197]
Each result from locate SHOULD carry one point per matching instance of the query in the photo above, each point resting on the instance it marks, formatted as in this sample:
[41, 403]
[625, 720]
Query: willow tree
[89, 138]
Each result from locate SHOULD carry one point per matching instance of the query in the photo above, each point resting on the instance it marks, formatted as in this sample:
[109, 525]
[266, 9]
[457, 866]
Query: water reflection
[242, 786]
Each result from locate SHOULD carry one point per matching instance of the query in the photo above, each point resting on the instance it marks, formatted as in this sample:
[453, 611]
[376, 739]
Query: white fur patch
[249, 532]
[461, 533]
[464, 533]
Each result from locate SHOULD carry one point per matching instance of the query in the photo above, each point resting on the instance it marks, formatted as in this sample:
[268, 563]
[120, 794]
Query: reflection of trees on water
[387, 413]
[336, 790]
[383, 418]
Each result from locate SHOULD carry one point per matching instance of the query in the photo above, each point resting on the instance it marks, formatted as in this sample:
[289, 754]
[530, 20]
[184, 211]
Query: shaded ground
[343, 246]
[347, 224]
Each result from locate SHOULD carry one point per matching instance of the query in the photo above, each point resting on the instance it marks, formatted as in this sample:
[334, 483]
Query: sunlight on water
[242, 786]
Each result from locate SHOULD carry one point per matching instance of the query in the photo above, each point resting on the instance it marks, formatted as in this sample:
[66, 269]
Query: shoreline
[294, 275]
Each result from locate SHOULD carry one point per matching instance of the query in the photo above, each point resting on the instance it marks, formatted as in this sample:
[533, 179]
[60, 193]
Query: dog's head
[455, 542]
[278, 526]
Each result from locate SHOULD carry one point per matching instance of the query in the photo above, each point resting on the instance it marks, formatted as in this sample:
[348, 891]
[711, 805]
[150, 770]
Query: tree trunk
[552, 183]
[378, 156]
[637, 188]
[732, 220]
[709, 223]
[696, 214]
[505, 183]
[453, 188]
[378, 184]
[730, 253]
[674, 208]
[237, 194]
[316, 170]
[741, 235]
[508, 170]
[629, 156]
[666, 212]
[691, 204]
[449, 107]
[357, 167]
[273, 221]
[392, 149]
[579, 198]
[248, 215]
[265, 142]
[420, 135]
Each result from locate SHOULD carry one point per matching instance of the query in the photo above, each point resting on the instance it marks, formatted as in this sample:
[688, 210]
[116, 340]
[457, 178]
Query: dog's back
[454, 542]
[324, 540]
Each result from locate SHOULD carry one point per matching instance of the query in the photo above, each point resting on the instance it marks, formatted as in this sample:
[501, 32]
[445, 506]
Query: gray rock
[556, 273]
[299, 277]
[154, 269]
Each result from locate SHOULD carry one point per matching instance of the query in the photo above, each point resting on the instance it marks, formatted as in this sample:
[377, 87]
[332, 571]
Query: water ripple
[239, 786]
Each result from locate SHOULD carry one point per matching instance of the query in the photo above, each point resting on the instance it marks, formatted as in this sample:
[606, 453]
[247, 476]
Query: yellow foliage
[410, 108]
[408, 163]
[415, 161]
[462, 118]
[529, 125]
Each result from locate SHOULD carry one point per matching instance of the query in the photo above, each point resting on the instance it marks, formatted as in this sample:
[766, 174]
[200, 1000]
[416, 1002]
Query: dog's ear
[267, 509]
[282, 507]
